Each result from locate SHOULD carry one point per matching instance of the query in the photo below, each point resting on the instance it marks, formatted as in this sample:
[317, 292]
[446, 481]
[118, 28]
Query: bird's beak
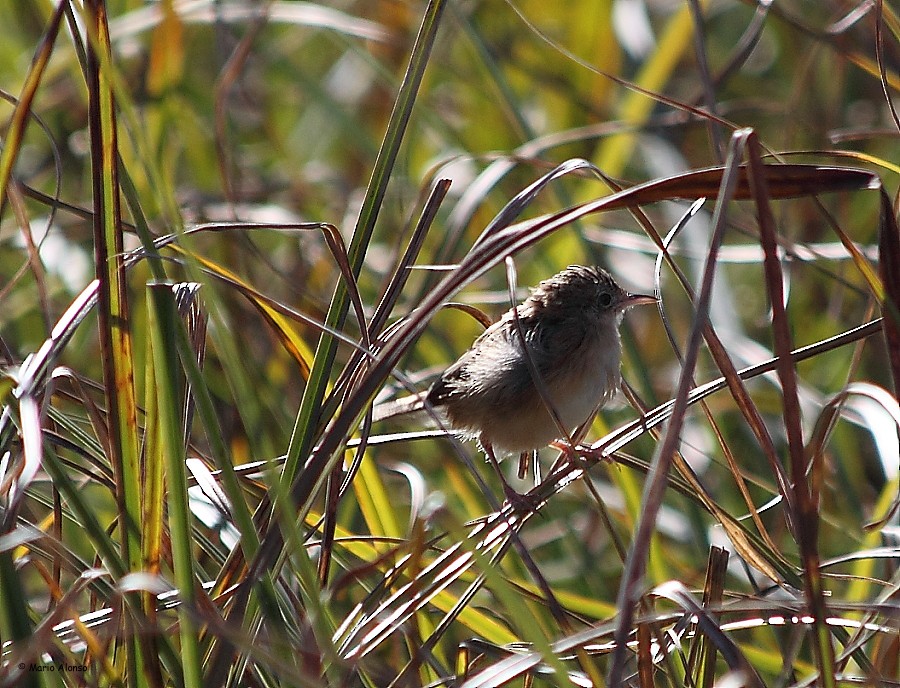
[638, 300]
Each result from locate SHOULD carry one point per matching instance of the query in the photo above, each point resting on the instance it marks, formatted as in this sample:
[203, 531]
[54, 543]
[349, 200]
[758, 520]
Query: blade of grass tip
[644, 661]
[521, 200]
[806, 516]
[363, 349]
[163, 319]
[401, 273]
[654, 489]
[716, 570]
[195, 323]
[34, 373]
[339, 252]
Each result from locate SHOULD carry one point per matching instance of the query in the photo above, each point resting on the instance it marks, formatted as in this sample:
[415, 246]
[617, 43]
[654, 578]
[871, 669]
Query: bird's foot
[520, 503]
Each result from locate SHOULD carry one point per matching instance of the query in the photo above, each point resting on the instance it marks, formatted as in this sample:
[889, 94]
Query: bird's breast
[576, 381]
[585, 383]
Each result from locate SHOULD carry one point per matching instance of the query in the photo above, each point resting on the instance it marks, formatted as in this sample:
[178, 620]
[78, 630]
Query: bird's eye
[605, 299]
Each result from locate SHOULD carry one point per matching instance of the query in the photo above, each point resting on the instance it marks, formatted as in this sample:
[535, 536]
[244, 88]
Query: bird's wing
[455, 377]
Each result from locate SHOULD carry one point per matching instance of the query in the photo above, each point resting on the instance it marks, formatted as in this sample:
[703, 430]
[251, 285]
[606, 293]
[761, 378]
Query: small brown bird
[541, 372]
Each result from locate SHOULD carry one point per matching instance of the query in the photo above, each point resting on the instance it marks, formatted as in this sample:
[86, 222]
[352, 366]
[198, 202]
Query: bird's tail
[398, 407]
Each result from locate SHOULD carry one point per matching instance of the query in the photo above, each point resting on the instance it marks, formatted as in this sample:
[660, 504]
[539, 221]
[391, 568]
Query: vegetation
[281, 201]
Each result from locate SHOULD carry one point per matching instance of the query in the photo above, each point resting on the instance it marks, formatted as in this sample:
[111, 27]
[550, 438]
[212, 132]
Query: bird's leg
[522, 473]
[518, 501]
[524, 459]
